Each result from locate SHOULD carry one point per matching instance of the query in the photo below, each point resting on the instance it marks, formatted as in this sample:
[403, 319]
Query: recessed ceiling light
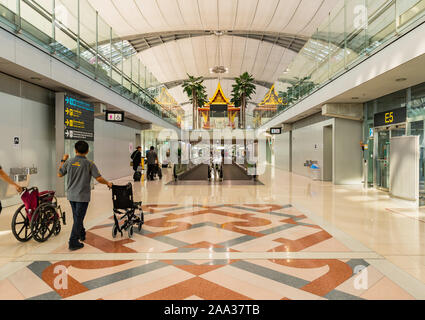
[35, 78]
[355, 98]
[401, 79]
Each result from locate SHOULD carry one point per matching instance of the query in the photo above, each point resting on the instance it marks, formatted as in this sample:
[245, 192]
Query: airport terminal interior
[247, 149]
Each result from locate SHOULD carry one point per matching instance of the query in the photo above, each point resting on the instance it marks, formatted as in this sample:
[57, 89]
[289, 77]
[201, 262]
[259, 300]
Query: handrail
[142, 94]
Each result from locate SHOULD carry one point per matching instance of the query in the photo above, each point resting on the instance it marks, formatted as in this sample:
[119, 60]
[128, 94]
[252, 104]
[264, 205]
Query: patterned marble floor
[252, 251]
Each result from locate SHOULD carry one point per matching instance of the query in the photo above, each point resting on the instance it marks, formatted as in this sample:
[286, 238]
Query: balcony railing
[73, 31]
[353, 31]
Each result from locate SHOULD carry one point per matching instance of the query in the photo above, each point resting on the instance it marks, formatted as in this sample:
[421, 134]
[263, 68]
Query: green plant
[242, 91]
[196, 91]
[298, 89]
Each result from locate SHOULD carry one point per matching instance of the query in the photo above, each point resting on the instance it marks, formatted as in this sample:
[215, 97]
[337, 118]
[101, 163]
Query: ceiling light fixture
[35, 78]
[219, 69]
[401, 79]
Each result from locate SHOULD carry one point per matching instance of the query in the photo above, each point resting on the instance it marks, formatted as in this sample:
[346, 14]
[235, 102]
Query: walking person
[152, 159]
[136, 156]
[80, 170]
[6, 178]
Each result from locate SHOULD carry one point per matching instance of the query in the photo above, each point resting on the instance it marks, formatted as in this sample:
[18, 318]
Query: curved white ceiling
[173, 60]
[298, 17]
[195, 56]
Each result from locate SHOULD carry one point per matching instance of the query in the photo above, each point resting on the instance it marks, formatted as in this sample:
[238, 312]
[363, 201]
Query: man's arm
[60, 172]
[6, 178]
[103, 181]
[96, 174]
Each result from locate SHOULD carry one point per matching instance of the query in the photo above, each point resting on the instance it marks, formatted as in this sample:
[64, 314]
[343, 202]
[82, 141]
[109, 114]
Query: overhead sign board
[114, 116]
[391, 117]
[79, 119]
[275, 130]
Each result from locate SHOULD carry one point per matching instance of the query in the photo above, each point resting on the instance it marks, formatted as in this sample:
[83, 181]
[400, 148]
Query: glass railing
[73, 31]
[352, 32]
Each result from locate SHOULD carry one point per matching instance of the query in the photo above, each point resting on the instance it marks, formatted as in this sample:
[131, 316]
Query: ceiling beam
[145, 41]
[176, 83]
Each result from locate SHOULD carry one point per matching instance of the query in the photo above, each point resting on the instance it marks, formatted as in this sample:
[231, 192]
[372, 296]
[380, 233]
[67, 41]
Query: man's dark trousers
[79, 210]
[151, 171]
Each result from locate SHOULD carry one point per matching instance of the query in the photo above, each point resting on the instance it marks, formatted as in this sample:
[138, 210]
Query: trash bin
[315, 172]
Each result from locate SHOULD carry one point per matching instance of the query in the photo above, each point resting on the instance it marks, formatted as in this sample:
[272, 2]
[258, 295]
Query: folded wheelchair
[125, 216]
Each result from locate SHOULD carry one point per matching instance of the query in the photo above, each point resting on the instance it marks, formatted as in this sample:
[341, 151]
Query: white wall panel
[307, 144]
[404, 167]
[33, 122]
[111, 149]
[282, 151]
[348, 163]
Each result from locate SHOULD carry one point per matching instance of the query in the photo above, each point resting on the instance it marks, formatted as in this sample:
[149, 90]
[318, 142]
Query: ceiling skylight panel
[173, 52]
[108, 12]
[133, 15]
[200, 53]
[306, 11]
[245, 14]
[250, 55]
[227, 12]
[209, 14]
[149, 60]
[151, 11]
[260, 61]
[186, 50]
[190, 12]
[171, 12]
[272, 64]
[285, 11]
[265, 13]
[166, 63]
[237, 55]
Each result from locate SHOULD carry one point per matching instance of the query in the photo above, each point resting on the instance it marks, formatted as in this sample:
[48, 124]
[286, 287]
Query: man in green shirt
[80, 170]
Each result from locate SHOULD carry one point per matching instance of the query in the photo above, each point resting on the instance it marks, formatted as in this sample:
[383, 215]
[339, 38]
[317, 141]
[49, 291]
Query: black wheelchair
[125, 211]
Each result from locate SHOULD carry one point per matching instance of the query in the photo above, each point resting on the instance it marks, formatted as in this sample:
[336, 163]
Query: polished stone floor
[291, 238]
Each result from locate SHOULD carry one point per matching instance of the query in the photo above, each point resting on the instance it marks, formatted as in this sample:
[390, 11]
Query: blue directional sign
[79, 119]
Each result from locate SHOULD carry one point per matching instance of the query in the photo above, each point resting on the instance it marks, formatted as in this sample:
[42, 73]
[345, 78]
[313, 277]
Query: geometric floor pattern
[191, 230]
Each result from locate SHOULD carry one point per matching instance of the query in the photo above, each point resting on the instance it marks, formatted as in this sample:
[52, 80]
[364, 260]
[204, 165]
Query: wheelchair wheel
[44, 222]
[114, 231]
[21, 226]
[130, 232]
[58, 228]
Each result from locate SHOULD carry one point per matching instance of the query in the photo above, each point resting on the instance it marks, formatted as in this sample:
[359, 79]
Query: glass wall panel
[337, 39]
[88, 37]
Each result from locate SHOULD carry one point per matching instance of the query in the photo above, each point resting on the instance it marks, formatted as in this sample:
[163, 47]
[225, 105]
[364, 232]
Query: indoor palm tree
[242, 91]
[196, 91]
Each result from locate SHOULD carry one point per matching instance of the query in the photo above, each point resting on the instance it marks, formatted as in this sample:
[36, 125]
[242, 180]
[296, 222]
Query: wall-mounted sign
[114, 116]
[390, 117]
[79, 119]
[16, 141]
[275, 130]
[371, 133]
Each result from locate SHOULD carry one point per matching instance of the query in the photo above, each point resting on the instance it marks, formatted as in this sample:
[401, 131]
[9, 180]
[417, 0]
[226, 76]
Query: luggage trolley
[125, 207]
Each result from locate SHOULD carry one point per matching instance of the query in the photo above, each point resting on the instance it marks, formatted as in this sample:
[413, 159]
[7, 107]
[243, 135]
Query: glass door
[382, 164]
